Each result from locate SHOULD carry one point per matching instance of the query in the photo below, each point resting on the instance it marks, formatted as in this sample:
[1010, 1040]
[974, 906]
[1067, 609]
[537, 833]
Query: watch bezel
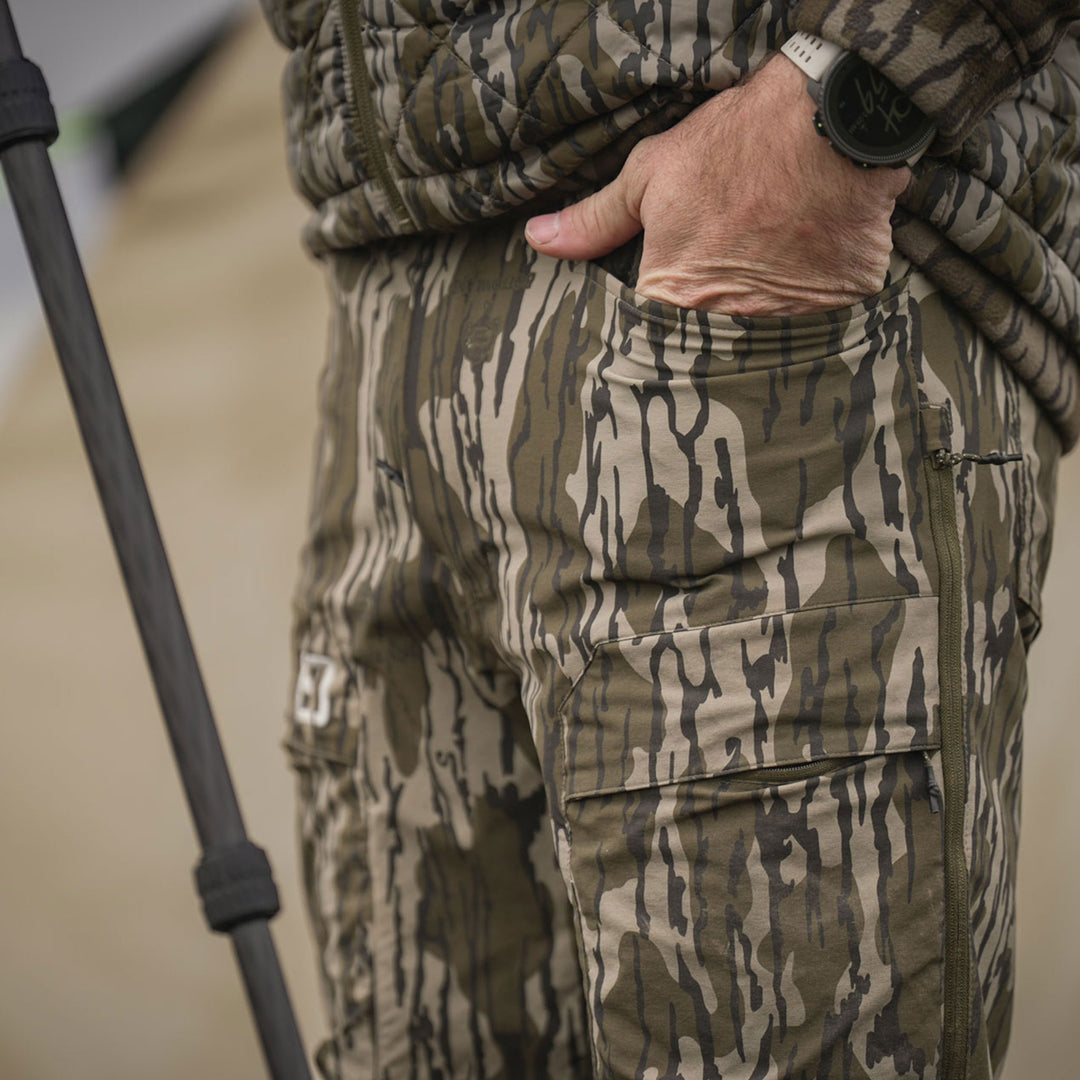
[906, 152]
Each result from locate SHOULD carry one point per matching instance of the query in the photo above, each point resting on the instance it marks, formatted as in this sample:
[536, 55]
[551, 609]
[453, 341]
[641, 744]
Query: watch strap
[812, 54]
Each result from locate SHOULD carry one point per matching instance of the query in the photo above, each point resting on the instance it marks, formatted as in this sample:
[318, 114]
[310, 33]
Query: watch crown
[819, 127]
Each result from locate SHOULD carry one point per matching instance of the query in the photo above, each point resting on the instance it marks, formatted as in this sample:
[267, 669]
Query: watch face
[868, 118]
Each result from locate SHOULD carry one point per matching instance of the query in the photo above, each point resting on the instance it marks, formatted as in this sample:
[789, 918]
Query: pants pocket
[756, 846]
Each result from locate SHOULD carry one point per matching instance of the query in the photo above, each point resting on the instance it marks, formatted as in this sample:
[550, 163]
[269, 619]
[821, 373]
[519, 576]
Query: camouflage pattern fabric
[659, 677]
[415, 117]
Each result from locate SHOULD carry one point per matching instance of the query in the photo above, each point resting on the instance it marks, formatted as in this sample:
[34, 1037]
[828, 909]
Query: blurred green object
[129, 120]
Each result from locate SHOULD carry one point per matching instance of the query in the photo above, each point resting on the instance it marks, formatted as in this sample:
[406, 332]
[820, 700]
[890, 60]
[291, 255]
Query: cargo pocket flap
[798, 686]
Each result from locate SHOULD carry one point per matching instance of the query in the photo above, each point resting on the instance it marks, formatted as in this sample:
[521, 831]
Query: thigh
[742, 590]
[441, 922]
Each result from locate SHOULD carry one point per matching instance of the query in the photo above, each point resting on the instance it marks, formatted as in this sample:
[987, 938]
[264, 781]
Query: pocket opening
[616, 274]
[725, 699]
[774, 775]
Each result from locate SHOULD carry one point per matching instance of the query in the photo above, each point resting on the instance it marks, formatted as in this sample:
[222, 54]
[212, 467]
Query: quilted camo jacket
[411, 116]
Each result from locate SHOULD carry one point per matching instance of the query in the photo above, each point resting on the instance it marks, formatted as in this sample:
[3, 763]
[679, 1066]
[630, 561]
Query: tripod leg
[234, 876]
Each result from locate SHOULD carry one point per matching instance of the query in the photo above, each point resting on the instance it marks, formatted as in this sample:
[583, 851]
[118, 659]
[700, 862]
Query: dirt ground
[215, 321]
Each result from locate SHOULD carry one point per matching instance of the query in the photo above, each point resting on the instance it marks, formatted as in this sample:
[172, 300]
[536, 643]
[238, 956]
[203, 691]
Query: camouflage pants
[659, 677]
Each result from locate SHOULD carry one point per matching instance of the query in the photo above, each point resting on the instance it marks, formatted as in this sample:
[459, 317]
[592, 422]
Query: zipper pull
[932, 789]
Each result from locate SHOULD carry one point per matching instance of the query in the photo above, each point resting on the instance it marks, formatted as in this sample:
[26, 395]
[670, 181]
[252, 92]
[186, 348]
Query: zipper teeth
[953, 767]
[358, 91]
[804, 771]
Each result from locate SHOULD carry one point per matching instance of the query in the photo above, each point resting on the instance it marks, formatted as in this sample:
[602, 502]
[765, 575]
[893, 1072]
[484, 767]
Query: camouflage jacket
[415, 116]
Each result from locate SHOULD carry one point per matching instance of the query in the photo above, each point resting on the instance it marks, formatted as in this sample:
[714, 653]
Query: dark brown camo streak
[619, 711]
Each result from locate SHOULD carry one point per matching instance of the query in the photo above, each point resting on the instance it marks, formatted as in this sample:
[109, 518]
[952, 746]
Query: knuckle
[593, 213]
[587, 217]
[640, 158]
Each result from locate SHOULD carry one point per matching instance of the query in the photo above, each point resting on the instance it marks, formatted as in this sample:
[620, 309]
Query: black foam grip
[236, 886]
[25, 109]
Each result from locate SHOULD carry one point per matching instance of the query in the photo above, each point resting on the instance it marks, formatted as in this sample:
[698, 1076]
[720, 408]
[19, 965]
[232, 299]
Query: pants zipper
[933, 792]
[953, 766]
[358, 92]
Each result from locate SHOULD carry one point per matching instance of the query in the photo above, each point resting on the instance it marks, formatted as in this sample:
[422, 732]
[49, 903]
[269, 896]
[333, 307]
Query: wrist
[789, 113]
[789, 110]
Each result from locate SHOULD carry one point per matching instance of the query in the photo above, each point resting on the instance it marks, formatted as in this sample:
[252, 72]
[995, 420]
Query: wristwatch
[860, 112]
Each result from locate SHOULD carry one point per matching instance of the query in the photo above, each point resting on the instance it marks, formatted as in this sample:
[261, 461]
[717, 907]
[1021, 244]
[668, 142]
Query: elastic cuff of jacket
[954, 79]
[26, 112]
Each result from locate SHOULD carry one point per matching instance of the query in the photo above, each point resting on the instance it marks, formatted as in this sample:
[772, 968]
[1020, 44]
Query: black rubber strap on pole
[26, 112]
[236, 886]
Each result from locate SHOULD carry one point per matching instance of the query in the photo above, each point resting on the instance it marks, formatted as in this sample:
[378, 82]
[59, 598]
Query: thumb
[598, 224]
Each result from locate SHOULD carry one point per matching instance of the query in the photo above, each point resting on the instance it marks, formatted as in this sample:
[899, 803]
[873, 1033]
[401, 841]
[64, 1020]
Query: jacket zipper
[358, 93]
[953, 766]
[933, 792]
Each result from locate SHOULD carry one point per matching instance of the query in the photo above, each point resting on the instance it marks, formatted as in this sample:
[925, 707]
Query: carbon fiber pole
[234, 877]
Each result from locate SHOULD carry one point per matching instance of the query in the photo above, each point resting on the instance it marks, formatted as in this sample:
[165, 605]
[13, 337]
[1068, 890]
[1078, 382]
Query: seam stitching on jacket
[468, 176]
[443, 43]
[639, 42]
[723, 44]
[1050, 259]
[523, 109]
[1009, 33]
[435, 43]
[532, 86]
[1027, 170]
[527, 106]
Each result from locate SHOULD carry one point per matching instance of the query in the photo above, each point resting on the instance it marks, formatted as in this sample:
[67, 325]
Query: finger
[596, 225]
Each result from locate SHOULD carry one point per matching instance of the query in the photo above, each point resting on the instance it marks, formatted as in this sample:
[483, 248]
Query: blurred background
[172, 165]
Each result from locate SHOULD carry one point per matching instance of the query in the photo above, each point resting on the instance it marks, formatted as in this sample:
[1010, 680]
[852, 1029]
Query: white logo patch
[311, 703]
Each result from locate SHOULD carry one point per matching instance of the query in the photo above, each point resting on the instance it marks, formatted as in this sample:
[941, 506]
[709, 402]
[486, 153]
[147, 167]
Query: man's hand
[746, 209]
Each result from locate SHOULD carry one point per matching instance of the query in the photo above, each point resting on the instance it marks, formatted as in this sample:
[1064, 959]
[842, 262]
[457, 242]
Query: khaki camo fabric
[659, 674]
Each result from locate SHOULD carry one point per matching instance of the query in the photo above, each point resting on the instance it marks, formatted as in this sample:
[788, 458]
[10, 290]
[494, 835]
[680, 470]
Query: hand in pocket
[746, 209]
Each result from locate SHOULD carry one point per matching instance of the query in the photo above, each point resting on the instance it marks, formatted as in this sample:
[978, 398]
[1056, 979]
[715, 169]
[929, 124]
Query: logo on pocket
[311, 702]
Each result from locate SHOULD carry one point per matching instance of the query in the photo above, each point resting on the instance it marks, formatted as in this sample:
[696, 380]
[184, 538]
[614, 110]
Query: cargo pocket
[755, 845]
